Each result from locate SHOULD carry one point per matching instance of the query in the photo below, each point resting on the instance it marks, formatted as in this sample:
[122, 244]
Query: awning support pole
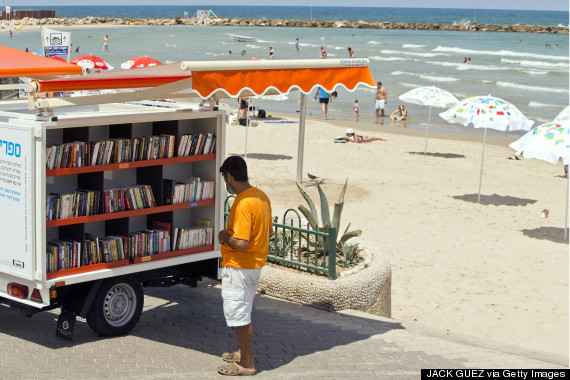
[301, 142]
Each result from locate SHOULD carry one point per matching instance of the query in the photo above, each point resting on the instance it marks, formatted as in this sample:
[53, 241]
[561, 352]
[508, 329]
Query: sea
[529, 70]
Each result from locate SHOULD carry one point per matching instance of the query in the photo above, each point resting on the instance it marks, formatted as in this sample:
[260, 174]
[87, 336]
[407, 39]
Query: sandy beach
[493, 270]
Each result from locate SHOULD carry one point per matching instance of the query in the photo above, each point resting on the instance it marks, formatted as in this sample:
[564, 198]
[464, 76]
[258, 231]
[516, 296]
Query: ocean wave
[410, 85]
[533, 88]
[379, 58]
[253, 46]
[524, 62]
[374, 43]
[339, 47]
[562, 26]
[463, 66]
[532, 103]
[504, 53]
[425, 55]
[412, 46]
[427, 77]
[535, 72]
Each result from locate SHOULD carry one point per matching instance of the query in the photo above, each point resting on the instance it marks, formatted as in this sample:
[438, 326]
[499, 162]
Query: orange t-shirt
[250, 219]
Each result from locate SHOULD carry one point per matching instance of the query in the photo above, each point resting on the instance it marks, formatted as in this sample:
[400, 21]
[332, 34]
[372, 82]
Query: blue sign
[50, 51]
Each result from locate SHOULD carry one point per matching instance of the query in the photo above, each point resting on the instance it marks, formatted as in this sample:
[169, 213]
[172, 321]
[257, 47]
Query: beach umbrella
[140, 62]
[549, 142]
[91, 61]
[58, 58]
[487, 112]
[429, 96]
[564, 115]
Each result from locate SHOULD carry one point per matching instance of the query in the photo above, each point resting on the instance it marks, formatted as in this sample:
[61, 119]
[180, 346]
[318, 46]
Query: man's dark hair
[236, 166]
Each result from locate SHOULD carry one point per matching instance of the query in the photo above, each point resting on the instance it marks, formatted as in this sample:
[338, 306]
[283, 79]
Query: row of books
[67, 253]
[73, 204]
[190, 190]
[113, 151]
[134, 197]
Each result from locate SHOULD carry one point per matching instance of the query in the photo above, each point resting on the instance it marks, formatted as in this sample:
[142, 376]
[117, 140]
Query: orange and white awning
[228, 78]
[17, 63]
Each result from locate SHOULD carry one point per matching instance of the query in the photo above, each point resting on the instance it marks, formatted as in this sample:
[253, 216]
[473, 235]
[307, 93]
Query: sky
[547, 5]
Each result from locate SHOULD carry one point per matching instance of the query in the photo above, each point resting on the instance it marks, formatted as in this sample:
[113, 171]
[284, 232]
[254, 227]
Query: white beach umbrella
[487, 112]
[549, 142]
[564, 115]
[429, 96]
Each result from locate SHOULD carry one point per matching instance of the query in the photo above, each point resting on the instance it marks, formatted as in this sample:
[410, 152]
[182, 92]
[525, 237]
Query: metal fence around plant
[300, 247]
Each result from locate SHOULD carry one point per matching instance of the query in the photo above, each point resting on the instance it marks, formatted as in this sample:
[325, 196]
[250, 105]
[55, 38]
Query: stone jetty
[113, 21]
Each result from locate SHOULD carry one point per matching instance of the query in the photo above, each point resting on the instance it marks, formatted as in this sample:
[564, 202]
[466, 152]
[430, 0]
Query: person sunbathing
[351, 136]
[403, 114]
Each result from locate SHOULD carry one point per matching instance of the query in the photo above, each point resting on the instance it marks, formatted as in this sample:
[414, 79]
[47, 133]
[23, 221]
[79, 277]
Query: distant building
[18, 14]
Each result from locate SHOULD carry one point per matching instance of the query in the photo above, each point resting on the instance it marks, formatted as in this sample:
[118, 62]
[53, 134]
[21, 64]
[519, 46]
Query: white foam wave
[562, 26]
[524, 62]
[426, 55]
[253, 46]
[168, 61]
[432, 78]
[463, 21]
[412, 46]
[379, 58]
[532, 103]
[338, 47]
[533, 88]
[410, 85]
[463, 66]
[533, 72]
[265, 42]
[503, 53]
[374, 43]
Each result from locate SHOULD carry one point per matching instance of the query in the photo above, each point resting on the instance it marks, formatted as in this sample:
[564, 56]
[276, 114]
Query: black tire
[117, 307]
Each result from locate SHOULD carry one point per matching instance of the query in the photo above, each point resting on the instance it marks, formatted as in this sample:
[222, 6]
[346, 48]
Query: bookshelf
[151, 172]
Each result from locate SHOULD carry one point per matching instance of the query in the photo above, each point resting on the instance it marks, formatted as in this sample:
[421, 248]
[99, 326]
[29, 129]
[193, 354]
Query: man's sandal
[234, 369]
[231, 357]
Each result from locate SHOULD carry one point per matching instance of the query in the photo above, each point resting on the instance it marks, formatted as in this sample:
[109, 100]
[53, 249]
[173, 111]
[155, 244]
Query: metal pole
[482, 157]
[427, 130]
[246, 127]
[567, 197]
[301, 142]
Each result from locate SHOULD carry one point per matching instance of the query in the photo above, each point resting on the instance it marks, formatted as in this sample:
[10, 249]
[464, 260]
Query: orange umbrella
[137, 62]
[17, 63]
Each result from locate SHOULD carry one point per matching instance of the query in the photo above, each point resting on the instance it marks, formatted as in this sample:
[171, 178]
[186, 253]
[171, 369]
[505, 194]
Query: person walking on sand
[324, 98]
[380, 100]
[350, 53]
[244, 245]
[356, 108]
[106, 43]
[323, 53]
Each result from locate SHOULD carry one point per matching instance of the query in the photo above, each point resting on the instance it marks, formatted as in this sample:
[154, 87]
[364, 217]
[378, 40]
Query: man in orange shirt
[244, 245]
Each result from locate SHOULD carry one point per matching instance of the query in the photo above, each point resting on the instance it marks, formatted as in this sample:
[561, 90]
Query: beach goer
[271, 52]
[350, 53]
[465, 60]
[77, 49]
[351, 136]
[243, 52]
[323, 53]
[230, 52]
[468, 61]
[10, 32]
[356, 108]
[324, 98]
[244, 245]
[400, 114]
[27, 51]
[106, 43]
[243, 103]
[297, 44]
[380, 100]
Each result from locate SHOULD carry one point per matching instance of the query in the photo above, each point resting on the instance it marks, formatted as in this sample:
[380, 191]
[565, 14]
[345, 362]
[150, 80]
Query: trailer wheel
[117, 306]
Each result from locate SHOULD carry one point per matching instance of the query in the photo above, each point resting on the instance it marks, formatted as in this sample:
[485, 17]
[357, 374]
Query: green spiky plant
[313, 218]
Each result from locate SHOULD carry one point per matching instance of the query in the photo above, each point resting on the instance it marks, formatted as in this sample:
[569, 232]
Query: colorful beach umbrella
[91, 62]
[140, 62]
[549, 142]
[429, 96]
[487, 112]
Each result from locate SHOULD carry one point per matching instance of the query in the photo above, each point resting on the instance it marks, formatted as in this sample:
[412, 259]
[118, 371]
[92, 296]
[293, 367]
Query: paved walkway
[182, 334]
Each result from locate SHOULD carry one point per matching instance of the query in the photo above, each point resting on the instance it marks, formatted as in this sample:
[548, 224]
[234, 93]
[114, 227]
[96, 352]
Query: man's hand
[221, 236]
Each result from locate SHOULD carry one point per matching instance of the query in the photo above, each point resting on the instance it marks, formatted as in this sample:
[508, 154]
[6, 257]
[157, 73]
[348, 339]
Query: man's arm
[225, 237]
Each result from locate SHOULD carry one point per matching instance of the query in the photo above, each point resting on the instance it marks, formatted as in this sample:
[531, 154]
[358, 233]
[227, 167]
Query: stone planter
[366, 288]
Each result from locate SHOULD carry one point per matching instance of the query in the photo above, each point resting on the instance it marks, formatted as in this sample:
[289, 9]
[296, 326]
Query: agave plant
[313, 218]
[349, 255]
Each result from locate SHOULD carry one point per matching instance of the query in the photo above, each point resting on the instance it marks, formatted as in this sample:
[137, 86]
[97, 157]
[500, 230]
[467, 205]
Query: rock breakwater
[361, 24]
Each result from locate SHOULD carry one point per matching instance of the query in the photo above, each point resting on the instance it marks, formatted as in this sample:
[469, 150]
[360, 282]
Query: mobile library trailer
[101, 199]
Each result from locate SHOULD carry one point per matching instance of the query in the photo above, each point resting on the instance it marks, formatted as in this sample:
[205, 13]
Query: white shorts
[238, 289]
[380, 104]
